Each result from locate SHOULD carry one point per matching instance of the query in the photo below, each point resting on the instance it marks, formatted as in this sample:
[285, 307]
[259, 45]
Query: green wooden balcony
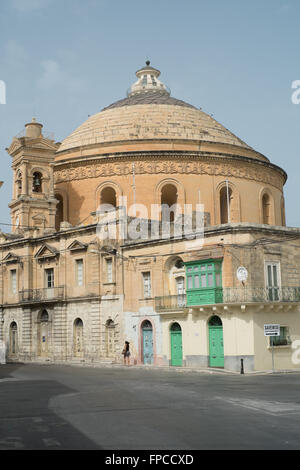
[204, 296]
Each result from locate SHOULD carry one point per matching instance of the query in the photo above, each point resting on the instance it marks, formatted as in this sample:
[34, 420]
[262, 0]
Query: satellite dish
[242, 274]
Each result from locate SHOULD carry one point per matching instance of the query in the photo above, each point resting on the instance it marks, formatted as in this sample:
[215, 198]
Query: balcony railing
[233, 295]
[170, 302]
[260, 294]
[41, 295]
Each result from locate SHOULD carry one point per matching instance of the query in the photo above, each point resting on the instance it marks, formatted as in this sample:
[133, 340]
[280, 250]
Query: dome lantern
[33, 129]
[148, 82]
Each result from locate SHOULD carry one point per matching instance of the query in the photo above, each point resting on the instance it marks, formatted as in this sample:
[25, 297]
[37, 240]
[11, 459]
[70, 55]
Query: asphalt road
[71, 407]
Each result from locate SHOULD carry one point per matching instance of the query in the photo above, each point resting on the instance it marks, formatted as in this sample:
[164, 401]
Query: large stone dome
[155, 149]
[149, 114]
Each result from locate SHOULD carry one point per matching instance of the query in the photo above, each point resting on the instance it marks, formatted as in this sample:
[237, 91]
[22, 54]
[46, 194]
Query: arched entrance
[78, 337]
[110, 338]
[13, 339]
[176, 344]
[43, 334]
[147, 342]
[216, 346]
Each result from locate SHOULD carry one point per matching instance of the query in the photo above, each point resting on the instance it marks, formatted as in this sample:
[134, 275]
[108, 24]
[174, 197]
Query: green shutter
[204, 282]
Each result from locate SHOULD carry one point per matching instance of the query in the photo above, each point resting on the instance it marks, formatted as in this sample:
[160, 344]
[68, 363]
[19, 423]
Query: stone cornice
[168, 162]
[214, 230]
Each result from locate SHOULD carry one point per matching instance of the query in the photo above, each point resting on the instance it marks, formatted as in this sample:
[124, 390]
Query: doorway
[13, 339]
[176, 345]
[78, 337]
[216, 346]
[43, 333]
[147, 342]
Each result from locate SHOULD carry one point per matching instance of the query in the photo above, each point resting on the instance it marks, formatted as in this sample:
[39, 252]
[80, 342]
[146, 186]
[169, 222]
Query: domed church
[71, 294]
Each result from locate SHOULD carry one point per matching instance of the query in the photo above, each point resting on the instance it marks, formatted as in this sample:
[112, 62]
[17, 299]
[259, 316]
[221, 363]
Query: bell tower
[33, 205]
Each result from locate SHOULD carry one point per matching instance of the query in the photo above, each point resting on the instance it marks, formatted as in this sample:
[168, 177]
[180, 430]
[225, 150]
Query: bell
[36, 182]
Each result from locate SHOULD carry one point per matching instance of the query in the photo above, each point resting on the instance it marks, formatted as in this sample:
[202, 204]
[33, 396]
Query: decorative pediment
[45, 252]
[38, 143]
[42, 143]
[76, 246]
[15, 145]
[11, 258]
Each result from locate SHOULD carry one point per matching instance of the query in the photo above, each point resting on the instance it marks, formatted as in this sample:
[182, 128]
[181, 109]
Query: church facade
[74, 291]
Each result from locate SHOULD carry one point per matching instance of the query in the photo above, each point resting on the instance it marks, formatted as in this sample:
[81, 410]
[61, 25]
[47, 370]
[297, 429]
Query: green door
[176, 345]
[216, 348]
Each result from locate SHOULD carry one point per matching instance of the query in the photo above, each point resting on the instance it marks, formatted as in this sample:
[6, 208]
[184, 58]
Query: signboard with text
[272, 330]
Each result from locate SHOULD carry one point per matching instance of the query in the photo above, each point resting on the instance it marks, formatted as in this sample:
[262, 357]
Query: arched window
[215, 321]
[225, 202]
[108, 196]
[174, 272]
[59, 216]
[168, 199]
[44, 316]
[175, 327]
[266, 209]
[37, 182]
[146, 325]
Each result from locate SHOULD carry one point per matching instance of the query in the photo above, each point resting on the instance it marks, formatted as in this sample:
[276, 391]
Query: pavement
[208, 370]
[52, 407]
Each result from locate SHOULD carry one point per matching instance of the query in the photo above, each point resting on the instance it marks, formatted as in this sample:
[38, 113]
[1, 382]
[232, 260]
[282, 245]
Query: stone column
[51, 187]
[24, 179]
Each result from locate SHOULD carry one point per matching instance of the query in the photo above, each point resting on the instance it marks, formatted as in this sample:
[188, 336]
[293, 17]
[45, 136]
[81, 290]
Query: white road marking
[51, 442]
[37, 419]
[11, 443]
[270, 407]
[9, 379]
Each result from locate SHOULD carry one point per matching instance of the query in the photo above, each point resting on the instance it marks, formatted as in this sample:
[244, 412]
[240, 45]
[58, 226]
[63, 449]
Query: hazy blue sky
[63, 60]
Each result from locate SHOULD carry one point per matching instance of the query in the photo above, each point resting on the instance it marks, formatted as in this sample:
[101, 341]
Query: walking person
[126, 353]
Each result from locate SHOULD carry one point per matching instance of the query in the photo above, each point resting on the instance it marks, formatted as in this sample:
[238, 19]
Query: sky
[63, 60]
